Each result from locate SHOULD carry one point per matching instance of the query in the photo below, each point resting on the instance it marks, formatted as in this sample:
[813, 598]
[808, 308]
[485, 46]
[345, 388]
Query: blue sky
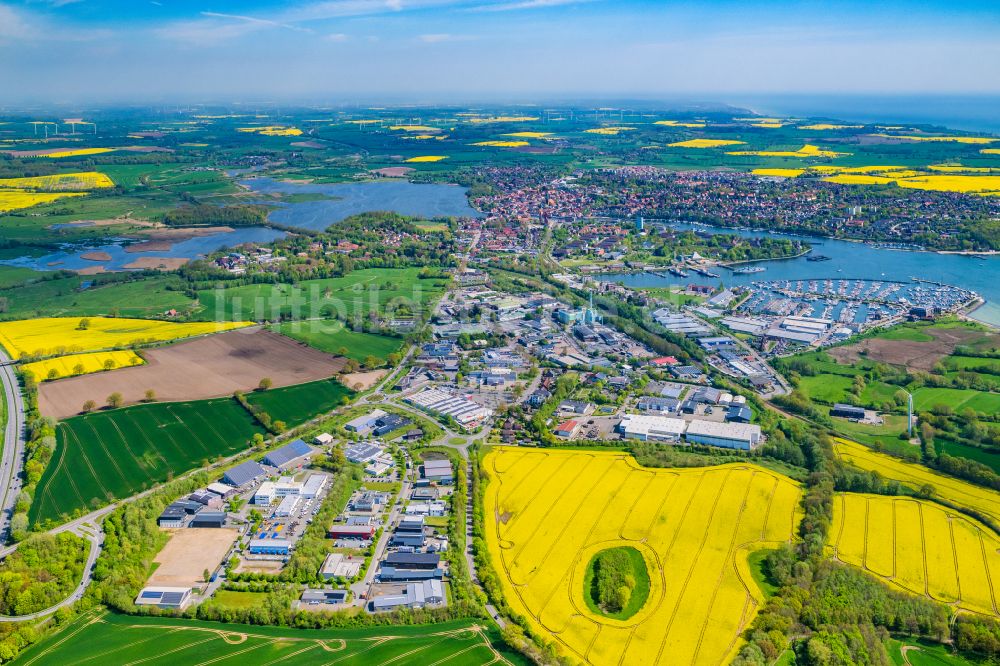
[507, 50]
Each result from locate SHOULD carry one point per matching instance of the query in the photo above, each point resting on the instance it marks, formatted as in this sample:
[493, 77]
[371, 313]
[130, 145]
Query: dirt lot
[365, 379]
[208, 367]
[188, 553]
[913, 355]
[260, 566]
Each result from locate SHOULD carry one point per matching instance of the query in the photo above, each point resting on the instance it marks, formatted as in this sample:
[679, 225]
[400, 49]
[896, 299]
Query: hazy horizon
[118, 51]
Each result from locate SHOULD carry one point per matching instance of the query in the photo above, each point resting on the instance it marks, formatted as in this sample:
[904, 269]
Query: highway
[12, 461]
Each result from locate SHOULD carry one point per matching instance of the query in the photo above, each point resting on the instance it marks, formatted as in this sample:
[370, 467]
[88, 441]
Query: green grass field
[297, 404]
[233, 599]
[958, 399]
[959, 450]
[107, 638]
[924, 653]
[358, 293]
[107, 455]
[63, 297]
[965, 362]
[756, 562]
[333, 337]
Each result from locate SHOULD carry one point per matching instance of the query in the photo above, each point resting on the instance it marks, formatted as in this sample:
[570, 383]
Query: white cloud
[338, 37]
[19, 25]
[332, 9]
[255, 21]
[13, 25]
[437, 38]
[526, 4]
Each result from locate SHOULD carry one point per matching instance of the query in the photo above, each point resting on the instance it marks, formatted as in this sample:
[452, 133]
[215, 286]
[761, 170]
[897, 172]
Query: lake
[426, 200]
[853, 261]
[399, 196]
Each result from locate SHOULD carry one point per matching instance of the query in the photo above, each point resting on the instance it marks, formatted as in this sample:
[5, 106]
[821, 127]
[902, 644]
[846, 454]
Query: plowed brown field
[207, 367]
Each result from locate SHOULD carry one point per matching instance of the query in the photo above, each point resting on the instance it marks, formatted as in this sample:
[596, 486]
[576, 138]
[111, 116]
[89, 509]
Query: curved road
[13, 445]
[96, 537]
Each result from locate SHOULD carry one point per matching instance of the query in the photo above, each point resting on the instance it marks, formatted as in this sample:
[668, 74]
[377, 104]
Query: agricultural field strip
[949, 489]
[949, 557]
[58, 336]
[86, 461]
[220, 645]
[211, 366]
[529, 481]
[64, 366]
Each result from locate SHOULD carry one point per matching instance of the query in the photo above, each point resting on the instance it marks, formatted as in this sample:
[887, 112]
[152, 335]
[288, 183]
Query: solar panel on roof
[150, 594]
[172, 598]
[244, 473]
[287, 453]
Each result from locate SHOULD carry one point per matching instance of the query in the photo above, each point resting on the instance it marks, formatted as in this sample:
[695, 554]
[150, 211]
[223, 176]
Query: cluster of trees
[40, 446]
[43, 571]
[275, 427]
[614, 581]
[724, 247]
[978, 636]
[843, 615]
[240, 215]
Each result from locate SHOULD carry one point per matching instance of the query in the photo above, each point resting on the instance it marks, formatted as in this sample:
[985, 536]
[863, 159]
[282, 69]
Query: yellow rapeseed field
[86, 180]
[425, 137]
[502, 144]
[549, 511]
[56, 336]
[611, 131]
[990, 151]
[829, 168]
[781, 173]
[953, 139]
[829, 126]
[958, 168]
[916, 180]
[81, 364]
[770, 125]
[529, 135]
[954, 183]
[78, 152]
[678, 123]
[705, 143]
[919, 546]
[428, 158]
[858, 179]
[272, 130]
[16, 199]
[807, 150]
[949, 489]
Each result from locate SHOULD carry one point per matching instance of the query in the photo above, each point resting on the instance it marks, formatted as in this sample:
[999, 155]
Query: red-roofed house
[567, 429]
[664, 361]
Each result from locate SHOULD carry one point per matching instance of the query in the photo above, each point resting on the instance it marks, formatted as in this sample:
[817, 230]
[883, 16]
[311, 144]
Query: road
[12, 460]
[362, 589]
[95, 535]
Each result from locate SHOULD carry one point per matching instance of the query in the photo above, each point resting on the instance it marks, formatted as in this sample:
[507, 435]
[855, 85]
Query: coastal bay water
[849, 260]
[418, 199]
[72, 256]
